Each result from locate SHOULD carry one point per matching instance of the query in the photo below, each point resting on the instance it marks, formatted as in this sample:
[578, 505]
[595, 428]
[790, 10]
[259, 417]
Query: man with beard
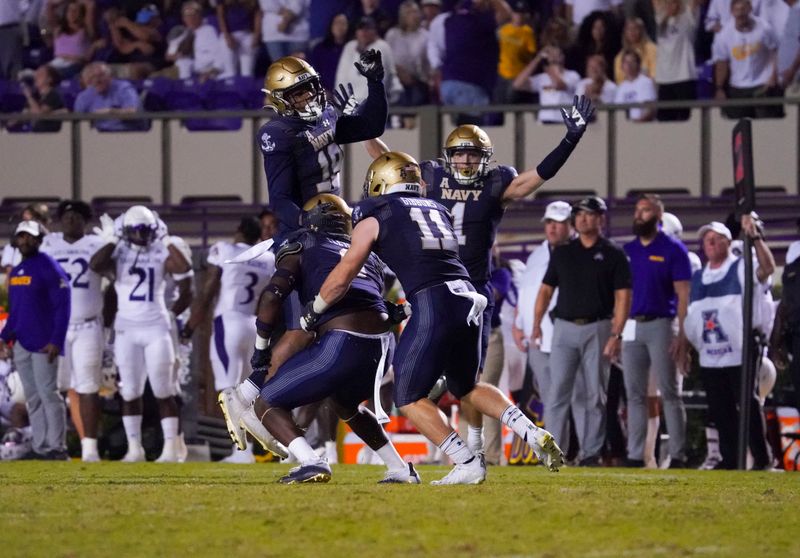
[661, 272]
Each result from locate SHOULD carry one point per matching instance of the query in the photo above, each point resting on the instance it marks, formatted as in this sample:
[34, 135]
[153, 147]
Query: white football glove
[106, 231]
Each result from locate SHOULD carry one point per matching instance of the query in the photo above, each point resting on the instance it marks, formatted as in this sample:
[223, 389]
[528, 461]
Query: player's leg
[636, 371]
[65, 375]
[87, 361]
[129, 357]
[493, 369]
[159, 361]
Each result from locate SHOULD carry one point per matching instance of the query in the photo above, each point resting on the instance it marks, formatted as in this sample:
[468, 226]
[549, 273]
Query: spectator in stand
[789, 51]
[554, 84]
[73, 33]
[136, 43]
[744, 62]
[578, 10]
[324, 10]
[517, 49]
[596, 85]
[105, 95]
[269, 224]
[285, 27]
[660, 272]
[409, 44]
[430, 9]
[367, 38]
[714, 327]
[676, 75]
[10, 39]
[462, 46]
[597, 35]
[325, 55]
[44, 98]
[594, 282]
[39, 294]
[383, 17]
[719, 13]
[194, 47]
[635, 38]
[636, 88]
[240, 32]
[556, 33]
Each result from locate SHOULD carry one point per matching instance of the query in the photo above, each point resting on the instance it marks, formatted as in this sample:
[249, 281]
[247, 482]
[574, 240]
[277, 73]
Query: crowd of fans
[457, 52]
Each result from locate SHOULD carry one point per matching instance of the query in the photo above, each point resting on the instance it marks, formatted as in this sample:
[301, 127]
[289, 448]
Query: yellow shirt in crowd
[517, 48]
[647, 52]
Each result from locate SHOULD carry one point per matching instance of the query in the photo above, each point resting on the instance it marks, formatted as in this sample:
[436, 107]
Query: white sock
[169, 426]
[133, 428]
[520, 424]
[303, 451]
[475, 438]
[650, 439]
[391, 458]
[456, 449]
[248, 390]
[88, 445]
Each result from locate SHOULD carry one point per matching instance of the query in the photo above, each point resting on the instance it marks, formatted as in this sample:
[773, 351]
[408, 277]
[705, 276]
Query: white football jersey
[86, 295]
[241, 283]
[140, 285]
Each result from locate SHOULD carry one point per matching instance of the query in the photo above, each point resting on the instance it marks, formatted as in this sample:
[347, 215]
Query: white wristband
[261, 343]
[319, 305]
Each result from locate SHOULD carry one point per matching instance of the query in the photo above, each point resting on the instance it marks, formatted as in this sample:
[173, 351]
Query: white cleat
[473, 472]
[169, 454]
[183, 451]
[547, 450]
[408, 475]
[233, 407]
[240, 458]
[249, 422]
[90, 457]
[135, 454]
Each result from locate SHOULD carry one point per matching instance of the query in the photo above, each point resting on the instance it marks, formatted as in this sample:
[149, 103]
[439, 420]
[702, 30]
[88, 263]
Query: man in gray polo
[594, 282]
[661, 272]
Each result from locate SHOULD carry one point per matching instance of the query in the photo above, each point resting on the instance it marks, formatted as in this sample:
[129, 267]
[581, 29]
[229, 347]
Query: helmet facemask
[467, 172]
[305, 99]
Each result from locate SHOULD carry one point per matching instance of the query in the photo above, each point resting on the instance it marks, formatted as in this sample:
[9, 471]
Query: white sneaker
[547, 450]
[169, 454]
[473, 472]
[249, 422]
[408, 475]
[135, 454]
[233, 407]
[183, 451]
[240, 458]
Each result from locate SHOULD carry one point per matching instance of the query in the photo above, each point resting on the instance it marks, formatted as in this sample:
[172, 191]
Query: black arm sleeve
[370, 119]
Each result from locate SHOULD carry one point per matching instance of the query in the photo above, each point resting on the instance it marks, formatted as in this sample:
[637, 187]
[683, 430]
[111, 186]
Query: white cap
[671, 225]
[717, 227]
[33, 228]
[557, 211]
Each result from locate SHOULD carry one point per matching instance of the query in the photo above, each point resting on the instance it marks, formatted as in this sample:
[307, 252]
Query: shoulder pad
[290, 247]
[272, 137]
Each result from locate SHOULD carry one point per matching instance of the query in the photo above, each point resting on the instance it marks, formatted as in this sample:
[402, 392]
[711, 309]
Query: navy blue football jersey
[476, 209]
[416, 239]
[320, 254]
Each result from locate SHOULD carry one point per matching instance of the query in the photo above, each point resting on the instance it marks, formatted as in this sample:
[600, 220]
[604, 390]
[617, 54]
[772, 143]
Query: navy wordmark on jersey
[416, 239]
[476, 209]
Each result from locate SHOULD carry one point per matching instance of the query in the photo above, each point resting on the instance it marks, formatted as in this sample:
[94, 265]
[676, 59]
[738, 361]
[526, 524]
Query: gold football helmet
[339, 206]
[393, 172]
[288, 82]
[468, 137]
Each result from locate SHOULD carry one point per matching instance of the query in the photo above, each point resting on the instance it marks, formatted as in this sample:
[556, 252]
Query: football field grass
[206, 509]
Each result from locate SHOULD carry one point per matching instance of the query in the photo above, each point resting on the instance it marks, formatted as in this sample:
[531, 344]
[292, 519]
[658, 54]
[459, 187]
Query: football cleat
[135, 454]
[318, 471]
[169, 454]
[239, 458]
[472, 472]
[403, 476]
[183, 450]
[90, 457]
[547, 450]
[249, 422]
[233, 407]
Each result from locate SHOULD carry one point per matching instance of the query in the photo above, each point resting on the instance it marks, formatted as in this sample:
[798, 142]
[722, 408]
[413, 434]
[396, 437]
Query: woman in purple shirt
[325, 54]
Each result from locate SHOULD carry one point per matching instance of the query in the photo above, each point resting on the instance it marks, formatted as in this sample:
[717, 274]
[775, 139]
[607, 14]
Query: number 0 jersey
[476, 209]
[86, 297]
[241, 284]
[140, 285]
[416, 240]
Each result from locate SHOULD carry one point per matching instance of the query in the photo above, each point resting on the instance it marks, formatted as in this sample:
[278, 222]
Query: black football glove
[323, 217]
[370, 65]
[344, 101]
[397, 312]
[309, 318]
[577, 118]
[261, 359]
